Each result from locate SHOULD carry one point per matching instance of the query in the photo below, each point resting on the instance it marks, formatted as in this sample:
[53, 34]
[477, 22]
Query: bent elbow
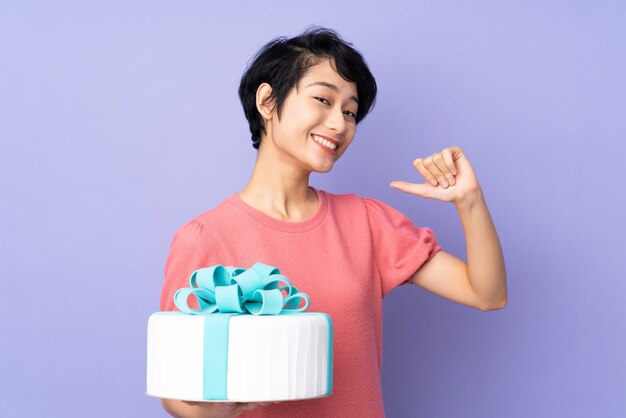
[494, 306]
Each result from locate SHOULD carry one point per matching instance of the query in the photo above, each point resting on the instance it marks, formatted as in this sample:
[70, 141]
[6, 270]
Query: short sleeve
[192, 247]
[400, 248]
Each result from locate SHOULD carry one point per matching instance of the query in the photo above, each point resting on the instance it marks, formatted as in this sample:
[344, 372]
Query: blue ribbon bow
[235, 289]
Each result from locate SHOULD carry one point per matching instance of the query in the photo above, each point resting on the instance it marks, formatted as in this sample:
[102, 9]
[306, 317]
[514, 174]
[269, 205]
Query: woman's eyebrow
[332, 87]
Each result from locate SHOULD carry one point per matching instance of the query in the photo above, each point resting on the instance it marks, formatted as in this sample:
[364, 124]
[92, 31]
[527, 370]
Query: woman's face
[318, 119]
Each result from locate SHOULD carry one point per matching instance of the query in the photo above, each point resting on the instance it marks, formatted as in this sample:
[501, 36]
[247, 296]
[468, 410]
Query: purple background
[120, 121]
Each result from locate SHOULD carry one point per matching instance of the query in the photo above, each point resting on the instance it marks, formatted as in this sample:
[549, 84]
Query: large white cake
[239, 357]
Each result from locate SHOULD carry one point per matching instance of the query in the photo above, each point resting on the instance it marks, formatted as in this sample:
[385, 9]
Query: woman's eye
[345, 112]
[321, 99]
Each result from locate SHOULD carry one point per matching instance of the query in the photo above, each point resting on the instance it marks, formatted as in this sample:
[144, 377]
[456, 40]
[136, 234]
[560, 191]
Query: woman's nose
[336, 121]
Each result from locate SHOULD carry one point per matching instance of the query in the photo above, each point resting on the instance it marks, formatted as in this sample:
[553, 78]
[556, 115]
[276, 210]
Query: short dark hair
[282, 62]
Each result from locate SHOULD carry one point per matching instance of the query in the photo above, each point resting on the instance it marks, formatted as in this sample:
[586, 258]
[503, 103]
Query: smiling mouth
[325, 142]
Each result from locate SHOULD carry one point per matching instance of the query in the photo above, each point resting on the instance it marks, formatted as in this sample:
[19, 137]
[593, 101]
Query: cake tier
[239, 357]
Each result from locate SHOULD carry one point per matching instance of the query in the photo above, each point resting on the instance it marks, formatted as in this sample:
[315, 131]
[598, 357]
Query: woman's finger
[433, 168]
[456, 153]
[447, 157]
[418, 163]
[447, 177]
[440, 162]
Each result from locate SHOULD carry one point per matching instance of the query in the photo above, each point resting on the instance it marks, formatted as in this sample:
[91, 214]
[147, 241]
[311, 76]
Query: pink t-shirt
[346, 257]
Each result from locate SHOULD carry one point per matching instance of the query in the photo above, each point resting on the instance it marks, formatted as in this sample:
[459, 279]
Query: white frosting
[175, 356]
[273, 357]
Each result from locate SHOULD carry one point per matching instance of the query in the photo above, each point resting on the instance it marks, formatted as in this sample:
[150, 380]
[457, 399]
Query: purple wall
[119, 121]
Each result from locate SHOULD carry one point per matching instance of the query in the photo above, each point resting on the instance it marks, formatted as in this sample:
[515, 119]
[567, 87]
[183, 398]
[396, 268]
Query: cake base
[238, 400]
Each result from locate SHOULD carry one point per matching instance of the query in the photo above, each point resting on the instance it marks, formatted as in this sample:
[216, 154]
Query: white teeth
[324, 142]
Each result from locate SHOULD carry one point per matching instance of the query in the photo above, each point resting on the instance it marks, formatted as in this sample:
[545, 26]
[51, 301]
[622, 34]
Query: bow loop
[256, 290]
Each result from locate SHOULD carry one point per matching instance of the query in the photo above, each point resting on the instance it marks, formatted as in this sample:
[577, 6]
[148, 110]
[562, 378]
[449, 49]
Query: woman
[303, 98]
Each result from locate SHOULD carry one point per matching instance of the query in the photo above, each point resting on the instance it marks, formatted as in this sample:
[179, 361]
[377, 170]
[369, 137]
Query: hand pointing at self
[449, 176]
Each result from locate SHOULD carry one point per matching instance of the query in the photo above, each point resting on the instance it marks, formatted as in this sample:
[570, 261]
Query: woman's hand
[225, 409]
[450, 175]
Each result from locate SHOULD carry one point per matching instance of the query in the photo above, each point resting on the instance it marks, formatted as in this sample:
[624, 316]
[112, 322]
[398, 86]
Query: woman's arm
[485, 261]
[180, 409]
[481, 283]
[183, 409]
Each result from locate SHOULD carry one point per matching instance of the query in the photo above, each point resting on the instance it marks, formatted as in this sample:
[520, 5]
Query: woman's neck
[280, 191]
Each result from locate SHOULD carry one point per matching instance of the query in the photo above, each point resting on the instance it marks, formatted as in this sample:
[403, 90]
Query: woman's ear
[264, 105]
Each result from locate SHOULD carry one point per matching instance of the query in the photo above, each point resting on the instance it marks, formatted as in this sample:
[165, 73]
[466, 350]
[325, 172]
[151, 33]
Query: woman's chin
[323, 168]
